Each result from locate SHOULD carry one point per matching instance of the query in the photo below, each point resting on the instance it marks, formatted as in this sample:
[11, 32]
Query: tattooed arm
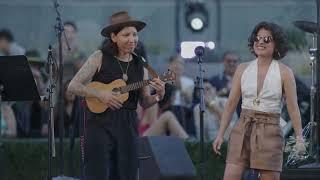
[84, 75]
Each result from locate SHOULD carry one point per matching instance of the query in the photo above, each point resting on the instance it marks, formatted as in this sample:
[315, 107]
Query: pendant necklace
[124, 74]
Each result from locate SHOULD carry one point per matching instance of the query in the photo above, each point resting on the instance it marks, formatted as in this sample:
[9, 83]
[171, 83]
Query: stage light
[196, 16]
[197, 24]
[187, 47]
[211, 45]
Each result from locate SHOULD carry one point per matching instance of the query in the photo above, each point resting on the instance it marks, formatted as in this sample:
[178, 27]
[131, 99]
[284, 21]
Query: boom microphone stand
[317, 155]
[199, 51]
[59, 29]
[51, 141]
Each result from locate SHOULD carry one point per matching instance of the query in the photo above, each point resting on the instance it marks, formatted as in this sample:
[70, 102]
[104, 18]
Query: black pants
[111, 146]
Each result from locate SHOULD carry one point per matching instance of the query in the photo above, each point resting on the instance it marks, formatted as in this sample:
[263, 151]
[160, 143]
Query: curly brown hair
[279, 37]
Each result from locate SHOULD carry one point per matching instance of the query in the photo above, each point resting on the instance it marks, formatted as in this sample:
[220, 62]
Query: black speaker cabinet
[301, 174]
[164, 158]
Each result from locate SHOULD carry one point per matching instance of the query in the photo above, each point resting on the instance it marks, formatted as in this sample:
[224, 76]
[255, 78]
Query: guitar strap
[145, 64]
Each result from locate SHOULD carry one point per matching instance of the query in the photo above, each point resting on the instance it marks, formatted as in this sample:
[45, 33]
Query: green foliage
[214, 164]
[27, 159]
[296, 39]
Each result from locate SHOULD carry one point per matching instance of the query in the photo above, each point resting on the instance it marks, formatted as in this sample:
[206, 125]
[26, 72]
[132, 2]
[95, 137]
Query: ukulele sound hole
[116, 90]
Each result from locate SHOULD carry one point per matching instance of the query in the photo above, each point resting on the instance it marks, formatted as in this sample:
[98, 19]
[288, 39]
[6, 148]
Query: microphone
[199, 51]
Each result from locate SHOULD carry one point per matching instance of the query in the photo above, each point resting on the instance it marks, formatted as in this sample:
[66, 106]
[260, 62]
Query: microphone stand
[1, 159]
[1, 91]
[316, 134]
[59, 30]
[199, 51]
[51, 141]
[315, 99]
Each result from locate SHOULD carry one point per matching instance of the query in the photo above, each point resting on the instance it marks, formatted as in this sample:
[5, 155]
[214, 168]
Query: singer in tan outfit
[256, 141]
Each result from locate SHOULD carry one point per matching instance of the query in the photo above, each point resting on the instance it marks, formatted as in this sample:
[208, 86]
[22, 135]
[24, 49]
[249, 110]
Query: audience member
[214, 107]
[6, 38]
[160, 120]
[184, 85]
[8, 121]
[37, 68]
[32, 116]
[223, 80]
[8, 46]
[73, 58]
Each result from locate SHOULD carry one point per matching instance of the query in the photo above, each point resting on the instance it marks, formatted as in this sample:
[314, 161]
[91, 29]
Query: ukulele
[121, 89]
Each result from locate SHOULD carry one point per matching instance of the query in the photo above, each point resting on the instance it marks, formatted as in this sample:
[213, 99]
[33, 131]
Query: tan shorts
[257, 141]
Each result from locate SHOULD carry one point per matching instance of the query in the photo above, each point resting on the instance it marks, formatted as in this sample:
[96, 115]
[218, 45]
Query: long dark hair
[108, 46]
[279, 37]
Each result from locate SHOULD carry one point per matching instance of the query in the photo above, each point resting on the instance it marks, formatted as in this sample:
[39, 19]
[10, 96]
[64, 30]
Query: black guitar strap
[145, 64]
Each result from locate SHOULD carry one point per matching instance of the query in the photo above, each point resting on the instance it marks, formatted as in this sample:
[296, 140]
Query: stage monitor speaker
[164, 158]
[301, 174]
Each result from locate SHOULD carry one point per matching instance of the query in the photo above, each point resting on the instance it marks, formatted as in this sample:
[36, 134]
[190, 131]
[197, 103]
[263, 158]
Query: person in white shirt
[257, 141]
[184, 85]
[212, 115]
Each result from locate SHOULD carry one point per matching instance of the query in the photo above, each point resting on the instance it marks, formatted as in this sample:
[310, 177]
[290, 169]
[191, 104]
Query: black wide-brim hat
[120, 20]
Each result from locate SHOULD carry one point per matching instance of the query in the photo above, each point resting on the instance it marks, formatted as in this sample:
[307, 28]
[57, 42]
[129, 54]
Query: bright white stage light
[211, 45]
[197, 24]
[196, 15]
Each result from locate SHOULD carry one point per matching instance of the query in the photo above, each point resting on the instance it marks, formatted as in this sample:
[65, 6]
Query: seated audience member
[8, 46]
[159, 119]
[8, 121]
[184, 85]
[6, 39]
[181, 106]
[223, 81]
[32, 116]
[212, 115]
[37, 65]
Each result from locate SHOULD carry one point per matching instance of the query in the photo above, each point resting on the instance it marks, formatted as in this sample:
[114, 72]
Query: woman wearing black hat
[111, 136]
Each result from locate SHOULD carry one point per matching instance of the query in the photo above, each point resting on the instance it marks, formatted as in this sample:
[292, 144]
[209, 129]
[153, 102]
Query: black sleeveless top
[110, 70]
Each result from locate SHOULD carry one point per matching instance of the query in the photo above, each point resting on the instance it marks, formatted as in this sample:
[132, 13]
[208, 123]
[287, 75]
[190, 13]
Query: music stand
[16, 80]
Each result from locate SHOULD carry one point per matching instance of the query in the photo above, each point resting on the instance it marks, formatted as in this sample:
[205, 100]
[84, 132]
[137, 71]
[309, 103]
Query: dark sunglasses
[266, 39]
